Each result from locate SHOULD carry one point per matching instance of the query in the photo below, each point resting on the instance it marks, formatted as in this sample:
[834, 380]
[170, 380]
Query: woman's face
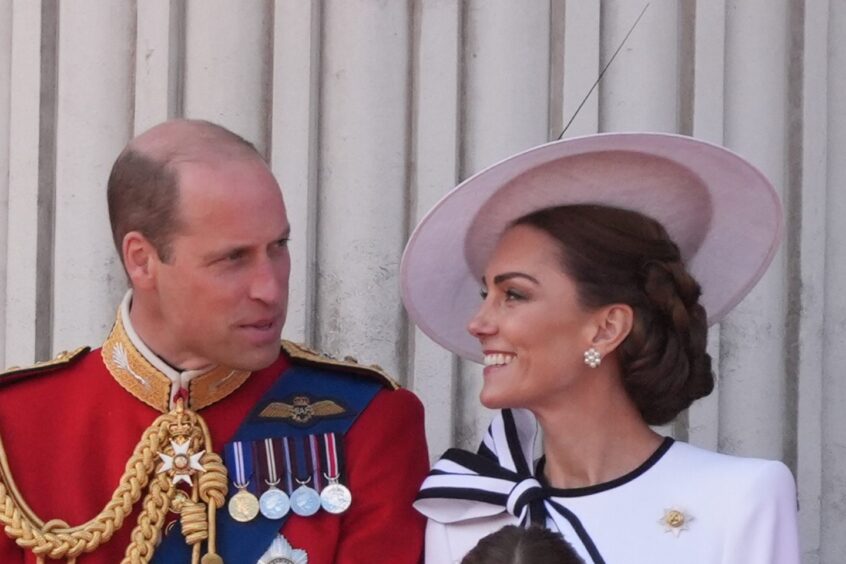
[531, 327]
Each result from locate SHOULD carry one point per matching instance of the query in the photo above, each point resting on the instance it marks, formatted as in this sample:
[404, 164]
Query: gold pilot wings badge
[302, 410]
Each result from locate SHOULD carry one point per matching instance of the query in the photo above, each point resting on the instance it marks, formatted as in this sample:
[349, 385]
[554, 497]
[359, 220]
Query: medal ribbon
[286, 449]
[241, 462]
[314, 455]
[332, 455]
[271, 463]
[301, 460]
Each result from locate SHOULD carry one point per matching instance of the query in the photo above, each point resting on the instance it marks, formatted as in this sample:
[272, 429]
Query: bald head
[180, 140]
[143, 187]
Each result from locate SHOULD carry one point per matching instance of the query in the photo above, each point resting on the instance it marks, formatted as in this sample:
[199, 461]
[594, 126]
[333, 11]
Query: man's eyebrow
[224, 252]
[500, 278]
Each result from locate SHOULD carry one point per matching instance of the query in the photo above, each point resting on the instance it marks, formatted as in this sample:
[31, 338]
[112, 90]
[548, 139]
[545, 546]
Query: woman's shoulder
[748, 503]
[731, 473]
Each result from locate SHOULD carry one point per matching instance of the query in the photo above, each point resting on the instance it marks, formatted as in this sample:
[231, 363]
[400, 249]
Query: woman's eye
[514, 295]
[483, 292]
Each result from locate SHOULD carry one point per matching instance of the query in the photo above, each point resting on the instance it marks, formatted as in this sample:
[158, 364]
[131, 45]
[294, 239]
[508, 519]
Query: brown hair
[513, 545]
[143, 187]
[621, 256]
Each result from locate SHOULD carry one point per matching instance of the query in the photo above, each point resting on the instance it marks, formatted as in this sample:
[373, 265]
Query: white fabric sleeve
[437, 549]
[762, 526]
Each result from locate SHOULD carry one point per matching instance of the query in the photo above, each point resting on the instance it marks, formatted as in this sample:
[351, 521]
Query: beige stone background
[370, 110]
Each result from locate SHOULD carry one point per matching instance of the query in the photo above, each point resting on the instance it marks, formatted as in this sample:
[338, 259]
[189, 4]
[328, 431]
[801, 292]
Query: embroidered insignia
[183, 464]
[675, 521]
[281, 552]
[121, 359]
[301, 410]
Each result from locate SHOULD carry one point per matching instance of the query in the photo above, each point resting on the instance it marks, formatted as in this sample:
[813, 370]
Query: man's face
[223, 295]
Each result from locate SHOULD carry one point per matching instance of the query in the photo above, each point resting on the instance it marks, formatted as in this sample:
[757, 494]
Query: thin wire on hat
[602, 72]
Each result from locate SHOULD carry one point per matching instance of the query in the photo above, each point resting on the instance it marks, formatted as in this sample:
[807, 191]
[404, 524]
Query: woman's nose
[481, 325]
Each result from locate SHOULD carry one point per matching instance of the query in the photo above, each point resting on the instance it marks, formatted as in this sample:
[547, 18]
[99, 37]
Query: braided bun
[621, 256]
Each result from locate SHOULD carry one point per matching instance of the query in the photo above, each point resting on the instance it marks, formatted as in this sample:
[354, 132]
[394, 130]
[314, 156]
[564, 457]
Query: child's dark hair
[513, 545]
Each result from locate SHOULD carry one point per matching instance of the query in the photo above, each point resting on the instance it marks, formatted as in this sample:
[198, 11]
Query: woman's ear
[613, 325]
[140, 260]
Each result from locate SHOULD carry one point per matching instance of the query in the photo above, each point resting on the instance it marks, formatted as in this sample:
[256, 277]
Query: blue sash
[246, 542]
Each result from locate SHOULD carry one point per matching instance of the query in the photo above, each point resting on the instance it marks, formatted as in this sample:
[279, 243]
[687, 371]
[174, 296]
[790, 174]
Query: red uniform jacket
[69, 430]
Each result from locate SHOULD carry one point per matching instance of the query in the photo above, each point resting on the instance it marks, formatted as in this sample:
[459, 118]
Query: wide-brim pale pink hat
[720, 210]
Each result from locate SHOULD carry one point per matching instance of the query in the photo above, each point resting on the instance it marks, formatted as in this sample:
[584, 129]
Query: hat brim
[721, 210]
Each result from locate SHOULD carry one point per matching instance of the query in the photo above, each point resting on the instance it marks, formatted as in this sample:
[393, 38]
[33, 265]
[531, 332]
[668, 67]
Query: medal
[304, 501]
[335, 498]
[243, 506]
[274, 503]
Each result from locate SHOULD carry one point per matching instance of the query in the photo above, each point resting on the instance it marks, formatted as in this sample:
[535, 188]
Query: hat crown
[627, 178]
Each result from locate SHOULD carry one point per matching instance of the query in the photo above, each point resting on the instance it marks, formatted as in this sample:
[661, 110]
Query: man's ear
[140, 259]
[613, 324]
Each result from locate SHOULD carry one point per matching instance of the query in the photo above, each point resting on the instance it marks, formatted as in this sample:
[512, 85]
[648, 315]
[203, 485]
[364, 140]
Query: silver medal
[274, 503]
[304, 501]
[335, 498]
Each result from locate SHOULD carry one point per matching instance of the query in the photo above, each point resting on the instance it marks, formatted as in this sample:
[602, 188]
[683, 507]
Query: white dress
[683, 505]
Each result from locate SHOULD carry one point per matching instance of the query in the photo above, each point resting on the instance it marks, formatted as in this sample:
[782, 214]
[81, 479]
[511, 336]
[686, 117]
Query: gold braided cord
[213, 482]
[193, 521]
[56, 539]
[145, 535]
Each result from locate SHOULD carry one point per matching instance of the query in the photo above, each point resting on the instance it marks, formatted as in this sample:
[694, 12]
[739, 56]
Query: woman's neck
[594, 438]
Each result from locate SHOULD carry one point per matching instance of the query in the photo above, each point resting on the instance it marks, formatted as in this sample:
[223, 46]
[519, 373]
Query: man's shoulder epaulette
[301, 354]
[64, 358]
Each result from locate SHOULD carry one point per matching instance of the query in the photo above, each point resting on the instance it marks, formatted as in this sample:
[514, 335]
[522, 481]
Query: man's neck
[149, 377]
[148, 325]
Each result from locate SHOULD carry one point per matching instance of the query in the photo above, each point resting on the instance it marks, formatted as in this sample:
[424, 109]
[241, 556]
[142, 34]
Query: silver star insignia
[282, 551]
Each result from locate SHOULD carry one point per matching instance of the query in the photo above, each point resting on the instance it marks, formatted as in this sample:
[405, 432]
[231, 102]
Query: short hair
[621, 256]
[143, 186]
[513, 545]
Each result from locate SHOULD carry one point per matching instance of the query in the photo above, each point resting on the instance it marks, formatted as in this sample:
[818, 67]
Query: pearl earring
[592, 357]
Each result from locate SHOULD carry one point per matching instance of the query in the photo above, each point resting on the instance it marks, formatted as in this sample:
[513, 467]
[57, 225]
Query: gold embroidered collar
[147, 377]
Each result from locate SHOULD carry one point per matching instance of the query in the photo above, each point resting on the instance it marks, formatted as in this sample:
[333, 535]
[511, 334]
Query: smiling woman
[529, 309]
[602, 261]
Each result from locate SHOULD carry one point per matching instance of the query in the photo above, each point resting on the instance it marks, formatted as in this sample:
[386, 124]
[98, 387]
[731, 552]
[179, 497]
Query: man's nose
[270, 280]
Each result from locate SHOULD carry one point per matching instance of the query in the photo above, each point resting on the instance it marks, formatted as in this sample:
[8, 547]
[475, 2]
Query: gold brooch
[675, 521]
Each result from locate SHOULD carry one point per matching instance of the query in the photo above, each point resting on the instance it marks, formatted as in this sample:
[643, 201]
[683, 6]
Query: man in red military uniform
[116, 454]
